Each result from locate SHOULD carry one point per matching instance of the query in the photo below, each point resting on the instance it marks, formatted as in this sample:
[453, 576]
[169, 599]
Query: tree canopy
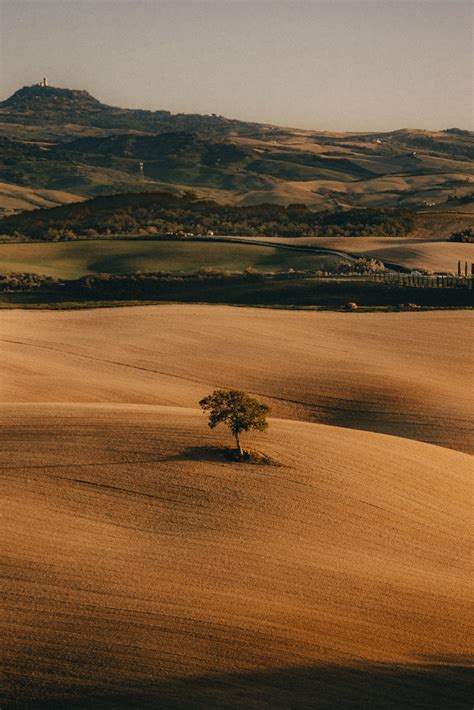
[236, 409]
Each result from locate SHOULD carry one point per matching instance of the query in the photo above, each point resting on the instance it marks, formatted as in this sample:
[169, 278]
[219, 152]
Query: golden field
[143, 569]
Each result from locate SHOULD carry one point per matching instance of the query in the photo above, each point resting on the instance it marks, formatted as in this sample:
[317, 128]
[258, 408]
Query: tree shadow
[223, 454]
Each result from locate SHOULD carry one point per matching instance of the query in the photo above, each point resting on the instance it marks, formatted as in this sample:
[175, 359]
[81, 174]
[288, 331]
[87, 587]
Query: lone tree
[236, 409]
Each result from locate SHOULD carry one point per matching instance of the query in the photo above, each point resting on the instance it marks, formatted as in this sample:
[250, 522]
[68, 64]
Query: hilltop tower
[44, 82]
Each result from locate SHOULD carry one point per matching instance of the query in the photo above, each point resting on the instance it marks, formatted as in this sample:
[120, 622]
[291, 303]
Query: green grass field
[70, 260]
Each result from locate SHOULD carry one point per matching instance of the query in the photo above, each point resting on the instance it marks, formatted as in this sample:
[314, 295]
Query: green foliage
[25, 282]
[465, 235]
[461, 199]
[167, 213]
[237, 410]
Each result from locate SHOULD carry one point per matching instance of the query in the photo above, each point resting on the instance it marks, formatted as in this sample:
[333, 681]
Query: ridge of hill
[42, 96]
[66, 139]
[47, 106]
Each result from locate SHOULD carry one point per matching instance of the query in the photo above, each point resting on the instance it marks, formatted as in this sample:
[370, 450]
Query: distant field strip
[75, 259]
[430, 254]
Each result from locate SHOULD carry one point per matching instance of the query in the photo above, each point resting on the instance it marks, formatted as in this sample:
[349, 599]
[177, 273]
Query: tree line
[158, 213]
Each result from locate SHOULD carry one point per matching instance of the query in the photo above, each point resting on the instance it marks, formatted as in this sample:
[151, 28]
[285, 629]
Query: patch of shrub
[466, 236]
[26, 282]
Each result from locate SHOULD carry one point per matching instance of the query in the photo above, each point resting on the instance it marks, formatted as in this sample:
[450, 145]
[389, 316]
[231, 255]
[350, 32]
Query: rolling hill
[403, 374]
[75, 259]
[144, 569]
[141, 566]
[435, 255]
[65, 139]
[14, 198]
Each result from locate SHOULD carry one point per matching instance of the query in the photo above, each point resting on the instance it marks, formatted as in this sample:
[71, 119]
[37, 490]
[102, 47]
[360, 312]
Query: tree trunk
[239, 446]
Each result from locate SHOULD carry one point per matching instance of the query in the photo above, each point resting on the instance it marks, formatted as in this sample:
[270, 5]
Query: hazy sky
[329, 65]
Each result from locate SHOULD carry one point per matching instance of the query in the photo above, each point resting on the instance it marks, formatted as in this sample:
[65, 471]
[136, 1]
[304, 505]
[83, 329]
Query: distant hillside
[14, 198]
[67, 140]
[50, 106]
[161, 212]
